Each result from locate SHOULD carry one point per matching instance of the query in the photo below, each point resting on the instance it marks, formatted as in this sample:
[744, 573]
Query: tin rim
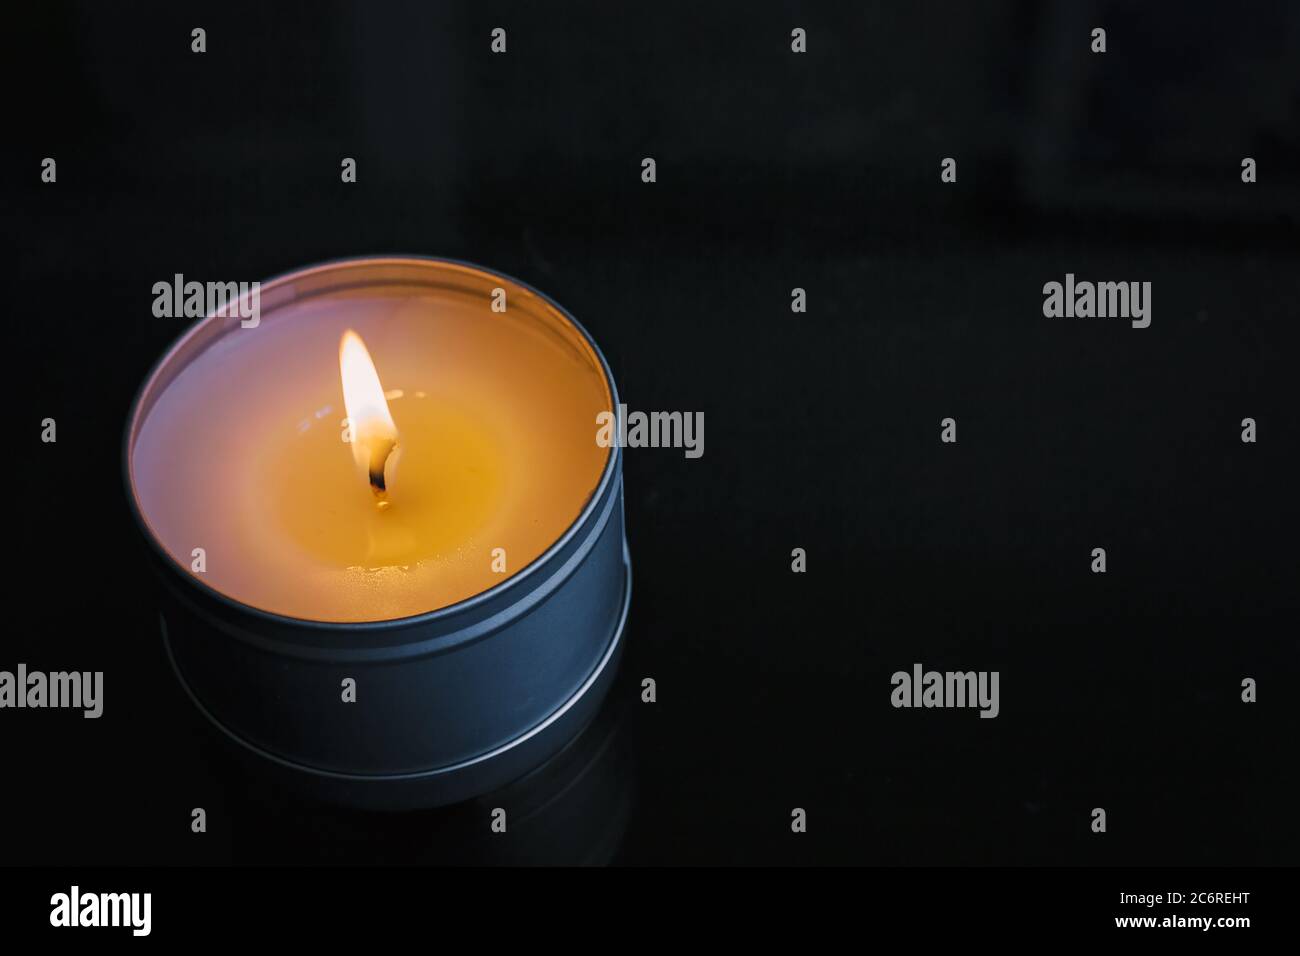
[608, 476]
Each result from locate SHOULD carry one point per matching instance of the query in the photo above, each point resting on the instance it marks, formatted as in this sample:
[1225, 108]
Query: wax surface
[243, 454]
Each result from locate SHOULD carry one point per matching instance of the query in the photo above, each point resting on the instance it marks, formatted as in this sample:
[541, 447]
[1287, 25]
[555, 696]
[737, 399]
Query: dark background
[775, 170]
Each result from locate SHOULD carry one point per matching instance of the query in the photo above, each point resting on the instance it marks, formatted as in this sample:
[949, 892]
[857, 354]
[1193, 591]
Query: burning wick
[379, 453]
[373, 434]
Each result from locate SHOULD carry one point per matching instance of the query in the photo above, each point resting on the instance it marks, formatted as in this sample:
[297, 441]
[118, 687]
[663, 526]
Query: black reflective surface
[775, 171]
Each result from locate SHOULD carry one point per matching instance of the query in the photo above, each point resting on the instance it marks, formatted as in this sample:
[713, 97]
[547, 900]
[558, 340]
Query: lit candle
[481, 437]
[391, 544]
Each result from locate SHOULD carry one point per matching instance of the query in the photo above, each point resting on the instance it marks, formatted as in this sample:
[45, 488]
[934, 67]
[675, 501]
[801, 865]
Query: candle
[490, 418]
[391, 546]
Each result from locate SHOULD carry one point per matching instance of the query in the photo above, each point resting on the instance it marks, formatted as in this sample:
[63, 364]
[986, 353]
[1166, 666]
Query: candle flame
[373, 434]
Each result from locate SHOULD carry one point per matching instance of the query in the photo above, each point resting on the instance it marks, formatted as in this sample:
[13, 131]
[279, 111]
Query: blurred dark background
[775, 170]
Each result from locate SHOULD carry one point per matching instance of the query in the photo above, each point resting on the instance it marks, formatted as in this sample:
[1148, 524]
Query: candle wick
[380, 452]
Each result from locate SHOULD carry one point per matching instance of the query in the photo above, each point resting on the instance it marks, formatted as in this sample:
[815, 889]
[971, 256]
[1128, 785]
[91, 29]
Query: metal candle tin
[451, 703]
